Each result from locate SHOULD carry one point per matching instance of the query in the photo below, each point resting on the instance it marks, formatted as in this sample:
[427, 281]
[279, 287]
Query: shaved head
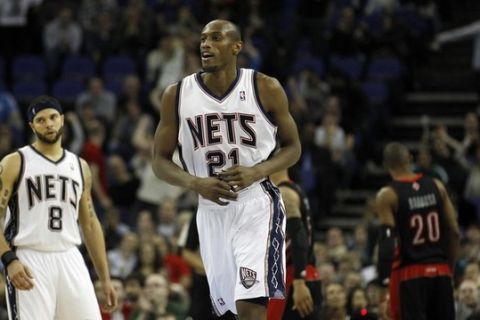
[396, 155]
[230, 29]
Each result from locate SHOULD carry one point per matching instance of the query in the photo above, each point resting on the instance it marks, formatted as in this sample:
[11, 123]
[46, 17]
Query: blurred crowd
[344, 65]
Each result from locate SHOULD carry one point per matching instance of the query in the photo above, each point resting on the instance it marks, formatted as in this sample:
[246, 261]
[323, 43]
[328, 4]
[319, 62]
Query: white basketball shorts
[62, 288]
[243, 246]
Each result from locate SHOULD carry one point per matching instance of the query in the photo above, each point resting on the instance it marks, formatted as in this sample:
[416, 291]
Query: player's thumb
[28, 272]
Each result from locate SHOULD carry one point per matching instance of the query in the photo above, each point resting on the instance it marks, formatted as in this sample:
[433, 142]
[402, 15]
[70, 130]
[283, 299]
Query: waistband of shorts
[415, 271]
[253, 191]
[44, 251]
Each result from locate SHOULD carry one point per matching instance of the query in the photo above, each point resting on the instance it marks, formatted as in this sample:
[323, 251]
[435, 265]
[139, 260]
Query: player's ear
[237, 47]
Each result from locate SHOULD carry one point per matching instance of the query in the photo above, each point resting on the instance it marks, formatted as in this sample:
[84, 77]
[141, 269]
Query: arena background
[358, 73]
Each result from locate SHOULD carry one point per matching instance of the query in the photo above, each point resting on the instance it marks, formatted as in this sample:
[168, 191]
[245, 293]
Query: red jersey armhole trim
[412, 179]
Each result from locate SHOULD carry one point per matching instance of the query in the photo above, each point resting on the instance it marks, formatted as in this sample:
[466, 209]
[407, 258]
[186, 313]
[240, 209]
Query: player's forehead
[217, 26]
[45, 113]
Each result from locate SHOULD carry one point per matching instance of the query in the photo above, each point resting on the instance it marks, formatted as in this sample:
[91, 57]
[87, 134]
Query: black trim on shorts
[12, 299]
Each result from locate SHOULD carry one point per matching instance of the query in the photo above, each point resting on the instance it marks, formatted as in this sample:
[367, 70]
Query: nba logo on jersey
[415, 186]
[242, 95]
[248, 277]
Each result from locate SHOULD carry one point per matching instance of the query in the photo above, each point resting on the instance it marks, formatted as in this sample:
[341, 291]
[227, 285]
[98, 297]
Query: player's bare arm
[302, 298]
[94, 239]
[453, 229]
[275, 102]
[165, 143]
[18, 273]
[387, 202]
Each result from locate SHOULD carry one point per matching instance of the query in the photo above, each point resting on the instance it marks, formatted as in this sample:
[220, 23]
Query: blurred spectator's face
[321, 252]
[156, 287]
[129, 242]
[347, 18]
[334, 237]
[374, 294]
[361, 235]
[133, 109]
[472, 272]
[467, 293]
[132, 289]
[473, 234]
[328, 274]
[147, 253]
[96, 86]
[335, 296]
[424, 159]
[65, 16]
[132, 85]
[168, 211]
[352, 280]
[145, 223]
[359, 299]
[471, 121]
[117, 165]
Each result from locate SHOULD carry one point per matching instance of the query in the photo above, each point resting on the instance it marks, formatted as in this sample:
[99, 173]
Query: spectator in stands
[6, 143]
[149, 259]
[132, 92]
[145, 226]
[123, 259]
[468, 301]
[102, 40]
[361, 245]
[167, 218]
[73, 134]
[335, 305]
[114, 228]
[133, 287]
[424, 165]
[156, 300]
[472, 187]
[93, 153]
[124, 307]
[132, 132]
[104, 102]
[62, 37]
[356, 300]
[92, 9]
[472, 272]
[165, 65]
[177, 269]
[10, 115]
[134, 31]
[122, 186]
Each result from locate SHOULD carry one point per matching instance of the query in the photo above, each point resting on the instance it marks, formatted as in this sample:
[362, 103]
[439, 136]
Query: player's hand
[239, 177]
[302, 298]
[214, 190]
[20, 275]
[111, 300]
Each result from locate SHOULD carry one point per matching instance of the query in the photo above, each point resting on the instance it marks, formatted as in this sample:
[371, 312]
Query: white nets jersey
[217, 132]
[43, 211]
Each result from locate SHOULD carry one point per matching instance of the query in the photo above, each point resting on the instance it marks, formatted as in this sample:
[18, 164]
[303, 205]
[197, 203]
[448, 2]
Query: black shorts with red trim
[422, 292]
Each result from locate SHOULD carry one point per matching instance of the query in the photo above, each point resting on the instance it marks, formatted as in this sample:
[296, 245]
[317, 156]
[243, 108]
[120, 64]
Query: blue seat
[384, 69]
[78, 67]
[117, 67]
[115, 86]
[29, 67]
[314, 64]
[350, 66]
[377, 92]
[24, 91]
[67, 90]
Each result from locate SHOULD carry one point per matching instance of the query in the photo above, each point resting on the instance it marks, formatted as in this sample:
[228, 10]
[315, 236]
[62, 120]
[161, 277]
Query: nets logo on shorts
[248, 277]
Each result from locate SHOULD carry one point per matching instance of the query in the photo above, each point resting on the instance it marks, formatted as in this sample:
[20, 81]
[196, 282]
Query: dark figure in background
[417, 212]
[304, 290]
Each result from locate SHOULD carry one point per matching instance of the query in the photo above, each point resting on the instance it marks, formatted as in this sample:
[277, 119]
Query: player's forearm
[285, 158]
[168, 171]
[453, 248]
[95, 243]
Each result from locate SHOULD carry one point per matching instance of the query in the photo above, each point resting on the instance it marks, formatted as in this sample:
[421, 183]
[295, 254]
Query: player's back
[43, 210]
[420, 222]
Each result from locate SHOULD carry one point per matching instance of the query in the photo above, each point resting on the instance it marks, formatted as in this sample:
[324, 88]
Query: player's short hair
[40, 103]
[395, 155]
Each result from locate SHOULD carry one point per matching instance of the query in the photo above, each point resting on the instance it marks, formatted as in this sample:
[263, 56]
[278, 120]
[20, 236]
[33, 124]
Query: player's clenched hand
[302, 299]
[111, 300]
[214, 190]
[239, 177]
[20, 276]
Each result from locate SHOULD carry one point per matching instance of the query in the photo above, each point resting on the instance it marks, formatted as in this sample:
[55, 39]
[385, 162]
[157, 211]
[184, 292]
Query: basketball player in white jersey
[224, 121]
[47, 191]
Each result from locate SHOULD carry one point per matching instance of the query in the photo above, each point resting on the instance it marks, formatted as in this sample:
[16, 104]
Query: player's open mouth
[206, 56]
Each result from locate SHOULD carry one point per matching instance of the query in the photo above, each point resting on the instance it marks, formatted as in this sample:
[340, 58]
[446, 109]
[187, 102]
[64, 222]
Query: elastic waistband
[252, 192]
[423, 271]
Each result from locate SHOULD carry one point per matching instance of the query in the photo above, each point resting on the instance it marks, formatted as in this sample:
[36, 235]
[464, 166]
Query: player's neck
[218, 82]
[403, 174]
[52, 151]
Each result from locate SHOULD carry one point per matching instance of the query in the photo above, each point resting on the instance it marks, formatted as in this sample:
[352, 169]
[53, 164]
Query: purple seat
[117, 67]
[384, 69]
[377, 92]
[29, 67]
[350, 66]
[78, 67]
[24, 91]
[67, 90]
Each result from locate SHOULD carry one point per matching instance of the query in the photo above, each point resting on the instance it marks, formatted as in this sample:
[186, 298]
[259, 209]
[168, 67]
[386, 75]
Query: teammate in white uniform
[47, 189]
[224, 121]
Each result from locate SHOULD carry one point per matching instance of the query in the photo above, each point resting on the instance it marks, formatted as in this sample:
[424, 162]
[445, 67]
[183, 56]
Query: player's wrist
[8, 257]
